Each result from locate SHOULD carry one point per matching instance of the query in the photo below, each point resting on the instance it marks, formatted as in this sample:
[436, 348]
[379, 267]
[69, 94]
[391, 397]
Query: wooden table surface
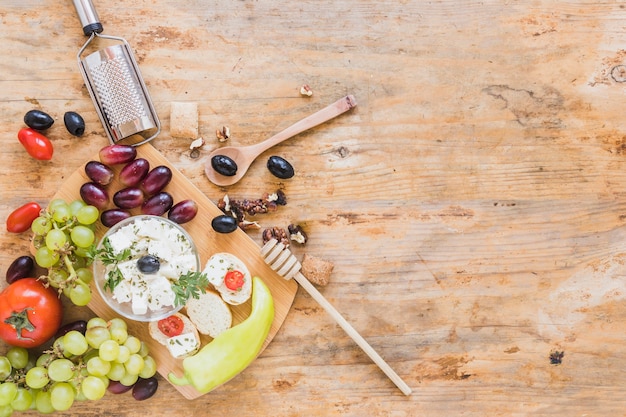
[473, 204]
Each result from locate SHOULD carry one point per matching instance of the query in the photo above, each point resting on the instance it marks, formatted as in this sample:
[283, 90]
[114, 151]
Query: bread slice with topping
[216, 270]
[210, 314]
[180, 343]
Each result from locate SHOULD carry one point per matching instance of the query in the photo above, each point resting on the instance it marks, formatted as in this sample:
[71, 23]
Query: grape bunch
[79, 366]
[64, 239]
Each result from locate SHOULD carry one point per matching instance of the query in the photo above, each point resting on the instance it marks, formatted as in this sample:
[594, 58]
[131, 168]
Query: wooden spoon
[281, 260]
[245, 155]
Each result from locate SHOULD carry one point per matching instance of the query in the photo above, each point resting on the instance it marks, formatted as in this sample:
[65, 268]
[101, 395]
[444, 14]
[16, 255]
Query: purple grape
[94, 194]
[116, 387]
[134, 172]
[128, 198]
[21, 267]
[183, 211]
[158, 204]
[156, 180]
[99, 173]
[117, 154]
[78, 325]
[113, 216]
[224, 224]
[145, 388]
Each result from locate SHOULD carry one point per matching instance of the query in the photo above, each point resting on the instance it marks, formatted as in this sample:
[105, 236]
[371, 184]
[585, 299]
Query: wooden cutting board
[208, 242]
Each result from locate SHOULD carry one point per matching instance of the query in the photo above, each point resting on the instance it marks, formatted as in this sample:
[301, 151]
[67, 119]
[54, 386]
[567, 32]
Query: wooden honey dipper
[281, 260]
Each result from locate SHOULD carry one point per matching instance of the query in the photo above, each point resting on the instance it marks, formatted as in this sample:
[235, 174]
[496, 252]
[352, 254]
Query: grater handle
[88, 17]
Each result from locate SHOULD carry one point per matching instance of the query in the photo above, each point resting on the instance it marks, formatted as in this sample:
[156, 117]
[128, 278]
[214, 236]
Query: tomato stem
[19, 321]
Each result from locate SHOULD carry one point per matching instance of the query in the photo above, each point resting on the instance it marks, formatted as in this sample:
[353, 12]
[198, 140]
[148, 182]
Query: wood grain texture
[473, 203]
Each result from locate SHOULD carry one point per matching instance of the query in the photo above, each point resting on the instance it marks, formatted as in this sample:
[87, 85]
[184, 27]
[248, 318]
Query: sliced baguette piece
[216, 268]
[189, 333]
[210, 314]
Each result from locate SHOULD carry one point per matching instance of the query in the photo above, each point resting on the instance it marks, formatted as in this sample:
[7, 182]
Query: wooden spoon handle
[384, 366]
[333, 110]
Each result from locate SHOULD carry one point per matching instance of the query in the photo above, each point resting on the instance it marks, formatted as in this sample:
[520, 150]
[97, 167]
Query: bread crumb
[184, 120]
[316, 269]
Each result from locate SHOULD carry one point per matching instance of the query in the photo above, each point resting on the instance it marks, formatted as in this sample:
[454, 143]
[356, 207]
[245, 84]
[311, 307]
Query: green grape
[87, 215]
[62, 396]
[45, 257]
[149, 368]
[133, 344]
[96, 322]
[145, 350]
[22, 401]
[84, 274]
[37, 377]
[43, 402]
[82, 236]
[129, 379]
[80, 293]
[18, 356]
[5, 368]
[109, 350]
[96, 335]
[43, 359]
[134, 364]
[61, 213]
[117, 323]
[41, 226]
[6, 410]
[60, 370]
[119, 334]
[123, 355]
[76, 205]
[57, 277]
[56, 203]
[8, 391]
[75, 343]
[56, 239]
[93, 387]
[117, 371]
[98, 367]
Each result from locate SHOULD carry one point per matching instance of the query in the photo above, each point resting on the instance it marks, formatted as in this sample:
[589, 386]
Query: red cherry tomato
[30, 313]
[37, 145]
[171, 326]
[22, 217]
[234, 280]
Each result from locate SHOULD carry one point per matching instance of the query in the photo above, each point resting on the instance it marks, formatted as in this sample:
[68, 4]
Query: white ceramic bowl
[144, 296]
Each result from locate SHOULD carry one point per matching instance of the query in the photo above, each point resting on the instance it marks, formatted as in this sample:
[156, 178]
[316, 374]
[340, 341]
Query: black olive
[224, 224]
[279, 167]
[38, 120]
[74, 123]
[224, 165]
[148, 264]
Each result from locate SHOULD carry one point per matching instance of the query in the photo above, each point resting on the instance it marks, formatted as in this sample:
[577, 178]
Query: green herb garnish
[189, 285]
[107, 256]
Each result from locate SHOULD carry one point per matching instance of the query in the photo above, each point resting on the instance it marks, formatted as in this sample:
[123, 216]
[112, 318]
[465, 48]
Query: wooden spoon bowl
[243, 156]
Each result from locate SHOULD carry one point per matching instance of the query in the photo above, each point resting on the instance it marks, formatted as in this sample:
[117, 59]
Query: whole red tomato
[37, 145]
[22, 217]
[30, 313]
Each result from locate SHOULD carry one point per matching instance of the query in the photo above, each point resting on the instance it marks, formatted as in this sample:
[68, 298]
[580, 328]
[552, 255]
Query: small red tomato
[171, 326]
[22, 217]
[30, 313]
[37, 145]
[234, 280]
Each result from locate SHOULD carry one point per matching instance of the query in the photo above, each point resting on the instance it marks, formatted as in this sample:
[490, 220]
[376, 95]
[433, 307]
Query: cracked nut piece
[223, 134]
[316, 270]
[297, 234]
[277, 233]
[305, 90]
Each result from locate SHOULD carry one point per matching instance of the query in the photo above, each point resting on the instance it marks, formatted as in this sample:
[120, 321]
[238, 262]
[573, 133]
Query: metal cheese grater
[115, 84]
